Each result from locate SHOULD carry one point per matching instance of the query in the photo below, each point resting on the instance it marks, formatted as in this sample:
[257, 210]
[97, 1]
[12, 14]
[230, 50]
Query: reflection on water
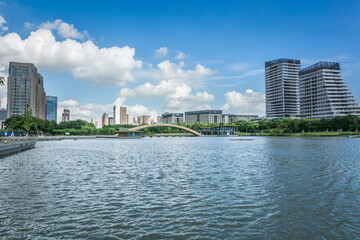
[184, 188]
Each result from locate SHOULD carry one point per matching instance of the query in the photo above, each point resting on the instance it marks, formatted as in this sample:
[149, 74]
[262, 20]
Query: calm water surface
[183, 188]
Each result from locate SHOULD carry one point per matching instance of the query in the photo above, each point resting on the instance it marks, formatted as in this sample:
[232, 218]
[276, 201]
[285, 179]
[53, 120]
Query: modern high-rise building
[105, 119]
[204, 116]
[65, 116]
[25, 88]
[172, 118]
[282, 88]
[123, 119]
[324, 93]
[3, 116]
[51, 108]
[144, 119]
[114, 115]
[111, 121]
[128, 119]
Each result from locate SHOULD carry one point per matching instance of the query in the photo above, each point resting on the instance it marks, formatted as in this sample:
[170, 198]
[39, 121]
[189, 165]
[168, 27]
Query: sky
[172, 56]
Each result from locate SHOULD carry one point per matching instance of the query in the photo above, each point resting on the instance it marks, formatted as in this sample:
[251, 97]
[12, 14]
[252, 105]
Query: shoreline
[13, 140]
[10, 148]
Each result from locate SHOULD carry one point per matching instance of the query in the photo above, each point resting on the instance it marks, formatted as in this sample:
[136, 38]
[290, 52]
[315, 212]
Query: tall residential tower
[25, 88]
[282, 88]
[324, 93]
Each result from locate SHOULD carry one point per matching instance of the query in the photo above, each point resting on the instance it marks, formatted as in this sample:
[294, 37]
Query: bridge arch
[166, 125]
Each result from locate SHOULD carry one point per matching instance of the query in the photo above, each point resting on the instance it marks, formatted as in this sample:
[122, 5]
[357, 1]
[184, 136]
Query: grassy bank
[305, 134]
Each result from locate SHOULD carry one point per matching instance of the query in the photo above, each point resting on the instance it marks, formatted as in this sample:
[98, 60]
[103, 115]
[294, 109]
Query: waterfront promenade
[11, 147]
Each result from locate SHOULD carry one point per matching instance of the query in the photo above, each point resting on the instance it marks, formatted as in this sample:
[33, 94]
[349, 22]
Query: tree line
[32, 125]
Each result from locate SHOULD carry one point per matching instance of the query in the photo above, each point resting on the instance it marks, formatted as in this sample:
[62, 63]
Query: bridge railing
[166, 125]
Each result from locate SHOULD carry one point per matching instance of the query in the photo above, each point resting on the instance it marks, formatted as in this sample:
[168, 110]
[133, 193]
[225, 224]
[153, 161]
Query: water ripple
[183, 188]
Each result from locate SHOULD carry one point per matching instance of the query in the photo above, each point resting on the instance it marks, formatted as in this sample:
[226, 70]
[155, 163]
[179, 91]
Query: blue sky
[173, 55]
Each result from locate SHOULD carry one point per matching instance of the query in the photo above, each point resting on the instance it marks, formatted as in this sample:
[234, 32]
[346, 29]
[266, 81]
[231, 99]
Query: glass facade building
[51, 108]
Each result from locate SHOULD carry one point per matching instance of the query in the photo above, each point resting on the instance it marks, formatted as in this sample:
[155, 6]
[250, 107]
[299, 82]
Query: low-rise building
[204, 116]
[172, 118]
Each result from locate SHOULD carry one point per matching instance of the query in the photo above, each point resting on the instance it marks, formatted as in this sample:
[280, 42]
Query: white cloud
[249, 102]
[76, 110]
[98, 66]
[176, 93]
[149, 90]
[2, 24]
[180, 55]
[161, 52]
[64, 29]
[88, 111]
[169, 70]
[29, 25]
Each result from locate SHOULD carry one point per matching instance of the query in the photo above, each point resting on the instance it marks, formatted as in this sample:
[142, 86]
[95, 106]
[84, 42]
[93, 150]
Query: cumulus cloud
[177, 95]
[98, 66]
[29, 25]
[161, 52]
[64, 29]
[2, 24]
[169, 70]
[249, 102]
[180, 55]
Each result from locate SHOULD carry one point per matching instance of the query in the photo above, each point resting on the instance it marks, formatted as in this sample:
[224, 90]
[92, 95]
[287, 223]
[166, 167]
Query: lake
[183, 188]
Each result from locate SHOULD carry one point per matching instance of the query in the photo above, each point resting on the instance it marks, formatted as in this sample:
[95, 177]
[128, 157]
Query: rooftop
[319, 66]
[282, 60]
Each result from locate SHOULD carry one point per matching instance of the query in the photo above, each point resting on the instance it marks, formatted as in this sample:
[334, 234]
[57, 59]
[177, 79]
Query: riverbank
[54, 138]
[8, 148]
[304, 134]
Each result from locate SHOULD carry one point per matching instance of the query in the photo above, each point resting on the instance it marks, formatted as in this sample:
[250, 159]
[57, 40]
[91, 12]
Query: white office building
[324, 93]
[282, 88]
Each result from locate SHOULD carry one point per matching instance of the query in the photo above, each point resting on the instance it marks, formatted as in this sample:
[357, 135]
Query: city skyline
[214, 69]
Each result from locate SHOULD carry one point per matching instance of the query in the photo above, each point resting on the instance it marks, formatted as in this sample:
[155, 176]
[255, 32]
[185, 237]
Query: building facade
[282, 88]
[128, 119]
[123, 118]
[3, 116]
[324, 93]
[95, 122]
[144, 119]
[114, 114]
[172, 118]
[65, 115]
[105, 119]
[111, 121]
[51, 108]
[230, 118]
[204, 116]
[25, 88]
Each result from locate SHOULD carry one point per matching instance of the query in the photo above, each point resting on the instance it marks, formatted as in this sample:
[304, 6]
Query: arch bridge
[166, 125]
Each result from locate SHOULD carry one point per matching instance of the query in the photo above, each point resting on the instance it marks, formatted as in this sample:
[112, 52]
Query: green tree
[28, 120]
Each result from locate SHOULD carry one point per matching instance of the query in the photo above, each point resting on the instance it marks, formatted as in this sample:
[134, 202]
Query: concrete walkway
[15, 147]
